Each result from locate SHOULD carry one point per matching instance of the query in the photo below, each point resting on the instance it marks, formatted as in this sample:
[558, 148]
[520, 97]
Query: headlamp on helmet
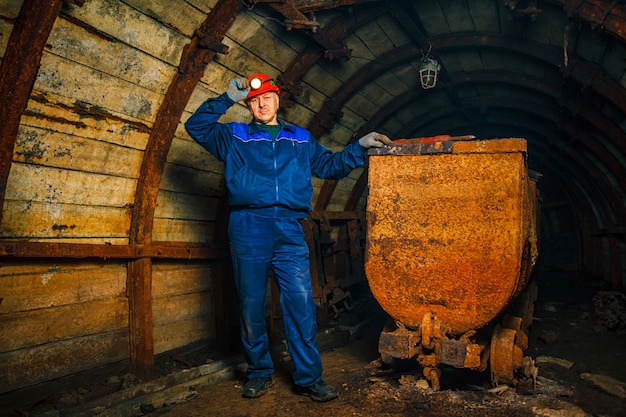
[256, 83]
[261, 83]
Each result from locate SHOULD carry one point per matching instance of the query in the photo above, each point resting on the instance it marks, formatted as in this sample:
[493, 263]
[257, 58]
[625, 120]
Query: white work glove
[238, 89]
[374, 140]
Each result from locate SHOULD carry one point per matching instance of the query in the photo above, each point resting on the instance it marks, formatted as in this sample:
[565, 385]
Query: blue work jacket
[262, 172]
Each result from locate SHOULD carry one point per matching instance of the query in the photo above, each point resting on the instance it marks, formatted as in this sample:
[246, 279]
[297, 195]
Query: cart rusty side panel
[451, 230]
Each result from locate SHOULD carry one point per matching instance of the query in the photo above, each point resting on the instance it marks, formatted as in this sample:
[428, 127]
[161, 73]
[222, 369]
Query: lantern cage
[428, 72]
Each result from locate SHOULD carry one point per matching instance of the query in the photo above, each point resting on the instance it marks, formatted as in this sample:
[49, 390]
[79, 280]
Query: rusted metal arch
[580, 109]
[327, 43]
[204, 45]
[577, 107]
[589, 75]
[18, 72]
[606, 14]
[17, 75]
[580, 72]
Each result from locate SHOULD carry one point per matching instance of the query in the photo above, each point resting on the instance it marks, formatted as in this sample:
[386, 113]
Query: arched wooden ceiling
[549, 71]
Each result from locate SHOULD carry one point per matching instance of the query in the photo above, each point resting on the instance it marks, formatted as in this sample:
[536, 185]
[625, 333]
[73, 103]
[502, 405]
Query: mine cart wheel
[504, 356]
[432, 375]
[387, 360]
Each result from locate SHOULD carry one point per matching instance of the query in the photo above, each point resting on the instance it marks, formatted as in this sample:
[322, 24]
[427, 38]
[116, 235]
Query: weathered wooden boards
[58, 319]
[77, 158]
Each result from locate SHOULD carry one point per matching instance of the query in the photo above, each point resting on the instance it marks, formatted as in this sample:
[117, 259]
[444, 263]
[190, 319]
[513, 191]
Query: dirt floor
[563, 329]
[582, 372]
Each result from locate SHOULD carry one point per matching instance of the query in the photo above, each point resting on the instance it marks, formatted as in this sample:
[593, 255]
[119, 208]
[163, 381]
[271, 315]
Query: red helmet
[261, 83]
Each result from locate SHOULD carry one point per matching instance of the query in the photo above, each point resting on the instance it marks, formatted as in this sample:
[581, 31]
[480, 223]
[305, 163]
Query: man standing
[268, 166]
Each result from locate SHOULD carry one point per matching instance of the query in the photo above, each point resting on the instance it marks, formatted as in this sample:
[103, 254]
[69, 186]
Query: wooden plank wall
[181, 305]
[60, 318]
[102, 78]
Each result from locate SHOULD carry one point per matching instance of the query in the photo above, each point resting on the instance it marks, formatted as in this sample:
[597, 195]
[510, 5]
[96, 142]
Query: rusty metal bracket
[208, 41]
[220, 48]
[288, 89]
[430, 148]
[294, 19]
[332, 112]
[400, 343]
[331, 54]
[340, 302]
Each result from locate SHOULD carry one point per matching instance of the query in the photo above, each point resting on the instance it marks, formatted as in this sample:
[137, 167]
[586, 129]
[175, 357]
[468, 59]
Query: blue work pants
[259, 244]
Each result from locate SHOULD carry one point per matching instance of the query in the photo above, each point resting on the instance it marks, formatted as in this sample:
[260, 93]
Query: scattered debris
[408, 380]
[610, 310]
[555, 361]
[606, 383]
[499, 389]
[569, 410]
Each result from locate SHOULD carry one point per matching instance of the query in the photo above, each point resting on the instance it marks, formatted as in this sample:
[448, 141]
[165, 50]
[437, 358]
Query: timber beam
[164, 250]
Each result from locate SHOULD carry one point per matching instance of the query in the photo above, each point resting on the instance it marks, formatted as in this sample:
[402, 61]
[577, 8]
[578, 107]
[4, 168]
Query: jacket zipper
[275, 170]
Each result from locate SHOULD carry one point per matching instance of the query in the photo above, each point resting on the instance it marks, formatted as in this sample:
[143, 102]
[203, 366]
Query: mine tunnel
[507, 168]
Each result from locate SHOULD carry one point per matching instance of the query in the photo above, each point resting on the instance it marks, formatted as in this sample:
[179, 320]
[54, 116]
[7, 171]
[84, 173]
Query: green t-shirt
[271, 129]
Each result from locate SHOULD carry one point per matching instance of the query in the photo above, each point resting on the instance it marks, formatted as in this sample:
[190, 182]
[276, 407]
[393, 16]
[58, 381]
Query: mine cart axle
[503, 352]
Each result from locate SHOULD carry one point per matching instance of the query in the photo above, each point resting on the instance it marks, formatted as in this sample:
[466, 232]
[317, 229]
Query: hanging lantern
[429, 69]
[428, 72]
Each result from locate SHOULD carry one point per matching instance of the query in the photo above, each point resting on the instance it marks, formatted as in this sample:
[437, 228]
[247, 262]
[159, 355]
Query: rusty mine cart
[451, 242]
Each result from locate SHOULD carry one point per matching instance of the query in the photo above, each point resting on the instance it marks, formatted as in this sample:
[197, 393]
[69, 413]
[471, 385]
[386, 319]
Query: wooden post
[139, 291]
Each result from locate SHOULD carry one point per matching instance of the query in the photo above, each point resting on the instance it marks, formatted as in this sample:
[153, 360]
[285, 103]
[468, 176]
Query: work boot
[320, 391]
[256, 387]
